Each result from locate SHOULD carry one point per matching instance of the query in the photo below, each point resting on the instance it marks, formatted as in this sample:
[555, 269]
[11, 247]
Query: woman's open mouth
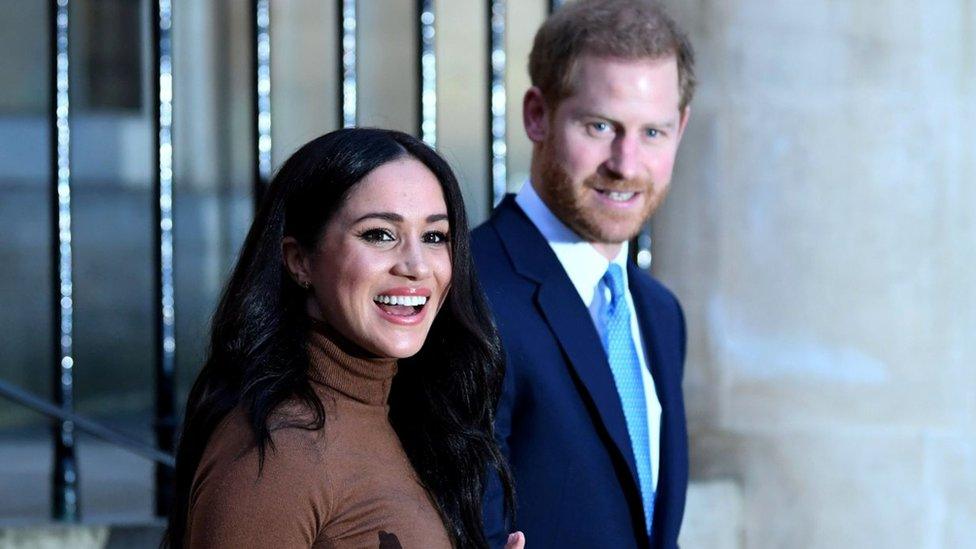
[401, 305]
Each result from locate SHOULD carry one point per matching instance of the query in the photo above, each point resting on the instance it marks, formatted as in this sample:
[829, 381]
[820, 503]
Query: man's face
[605, 154]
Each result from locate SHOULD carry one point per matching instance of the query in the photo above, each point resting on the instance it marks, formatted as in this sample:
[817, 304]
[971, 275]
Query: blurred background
[820, 233]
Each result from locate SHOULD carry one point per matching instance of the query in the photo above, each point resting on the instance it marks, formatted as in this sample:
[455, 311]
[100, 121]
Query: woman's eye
[377, 235]
[435, 237]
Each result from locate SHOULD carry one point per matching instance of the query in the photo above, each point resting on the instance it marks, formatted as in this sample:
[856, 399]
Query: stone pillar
[821, 234]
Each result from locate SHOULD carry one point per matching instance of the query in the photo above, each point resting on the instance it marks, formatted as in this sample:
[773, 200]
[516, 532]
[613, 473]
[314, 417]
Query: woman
[297, 433]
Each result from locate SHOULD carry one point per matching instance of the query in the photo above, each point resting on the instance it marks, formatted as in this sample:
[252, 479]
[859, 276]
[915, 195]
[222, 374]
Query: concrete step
[116, 496]
[116, 486]
[82, 536]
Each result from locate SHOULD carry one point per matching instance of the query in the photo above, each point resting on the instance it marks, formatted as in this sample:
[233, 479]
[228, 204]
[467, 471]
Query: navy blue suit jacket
[559, 420]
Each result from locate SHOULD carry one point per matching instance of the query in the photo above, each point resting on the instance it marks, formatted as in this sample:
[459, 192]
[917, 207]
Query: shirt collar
[581, 261]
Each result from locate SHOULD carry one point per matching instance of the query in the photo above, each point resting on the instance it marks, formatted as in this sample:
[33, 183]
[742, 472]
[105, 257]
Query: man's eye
[435, 237]
[651, 132]
[599, 127]
[377, 235]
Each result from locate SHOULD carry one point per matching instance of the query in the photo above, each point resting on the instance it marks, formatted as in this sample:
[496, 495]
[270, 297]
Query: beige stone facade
[821, 234]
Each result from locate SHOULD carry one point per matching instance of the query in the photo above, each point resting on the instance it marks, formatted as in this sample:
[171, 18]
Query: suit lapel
[571, 324]
[649, 327]
[568, 318]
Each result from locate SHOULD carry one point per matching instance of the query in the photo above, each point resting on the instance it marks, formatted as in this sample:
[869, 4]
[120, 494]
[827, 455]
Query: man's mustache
[603, 183]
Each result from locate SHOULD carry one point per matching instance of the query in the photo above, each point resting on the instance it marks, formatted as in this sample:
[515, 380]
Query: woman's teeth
[403, 300]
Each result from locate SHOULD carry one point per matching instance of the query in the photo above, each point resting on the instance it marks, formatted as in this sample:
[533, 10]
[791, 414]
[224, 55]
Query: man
[592, 414]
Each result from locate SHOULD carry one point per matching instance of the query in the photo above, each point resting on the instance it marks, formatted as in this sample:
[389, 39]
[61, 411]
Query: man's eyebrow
[397, 218]
[669, 124]
[593, 114]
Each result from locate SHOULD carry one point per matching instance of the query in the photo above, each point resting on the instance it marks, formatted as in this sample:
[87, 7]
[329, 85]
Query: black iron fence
[65, 473]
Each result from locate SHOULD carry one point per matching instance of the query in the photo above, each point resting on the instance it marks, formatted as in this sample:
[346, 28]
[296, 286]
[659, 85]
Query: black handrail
[105, 433]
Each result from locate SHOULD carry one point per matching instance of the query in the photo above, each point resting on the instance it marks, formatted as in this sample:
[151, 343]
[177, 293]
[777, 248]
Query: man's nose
[623, 162]
[412, 262]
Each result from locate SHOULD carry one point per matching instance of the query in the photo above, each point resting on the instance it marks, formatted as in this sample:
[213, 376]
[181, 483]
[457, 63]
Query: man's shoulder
[486, 245]
[652, 289]
[502, 238]
[482, 234]
[491, 261]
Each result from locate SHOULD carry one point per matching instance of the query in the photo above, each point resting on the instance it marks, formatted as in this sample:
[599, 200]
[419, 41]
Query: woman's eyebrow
[385, 216]
[397, 218]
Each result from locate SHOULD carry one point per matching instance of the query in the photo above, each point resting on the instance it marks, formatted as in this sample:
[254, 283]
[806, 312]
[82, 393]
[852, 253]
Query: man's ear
[535, 115]
[683, 123]
[295, 260]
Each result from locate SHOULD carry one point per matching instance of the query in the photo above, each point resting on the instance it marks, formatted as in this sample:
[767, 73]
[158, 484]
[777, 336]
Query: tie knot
[614, 279]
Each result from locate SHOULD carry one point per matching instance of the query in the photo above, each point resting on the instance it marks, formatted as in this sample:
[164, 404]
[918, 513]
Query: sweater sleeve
[285, 505]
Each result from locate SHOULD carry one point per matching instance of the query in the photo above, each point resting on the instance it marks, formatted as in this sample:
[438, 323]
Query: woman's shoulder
[234, 484]
[292, 461]
[295, 441]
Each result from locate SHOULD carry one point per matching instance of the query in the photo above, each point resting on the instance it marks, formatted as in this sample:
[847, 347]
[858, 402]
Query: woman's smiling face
[382, 267]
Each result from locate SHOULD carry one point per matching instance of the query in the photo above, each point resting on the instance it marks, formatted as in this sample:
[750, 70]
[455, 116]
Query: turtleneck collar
[340, 365]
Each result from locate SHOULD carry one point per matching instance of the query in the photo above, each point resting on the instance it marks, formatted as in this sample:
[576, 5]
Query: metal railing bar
[348, 70]
[262, 97]
[65, 500]
[165, 363]
[641, 247]
[83, 424]
[497, 146]
[427, 68]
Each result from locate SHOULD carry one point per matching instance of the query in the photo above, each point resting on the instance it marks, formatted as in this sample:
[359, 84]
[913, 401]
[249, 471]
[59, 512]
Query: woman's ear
[295, 261]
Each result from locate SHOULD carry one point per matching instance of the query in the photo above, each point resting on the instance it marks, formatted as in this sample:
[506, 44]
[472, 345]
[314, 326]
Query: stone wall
[821, 234]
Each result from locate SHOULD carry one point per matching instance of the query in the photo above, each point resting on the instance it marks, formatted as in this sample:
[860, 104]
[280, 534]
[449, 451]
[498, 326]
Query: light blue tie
[625, 367]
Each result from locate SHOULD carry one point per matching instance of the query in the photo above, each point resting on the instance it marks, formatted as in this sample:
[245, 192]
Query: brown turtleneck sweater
[349, 484]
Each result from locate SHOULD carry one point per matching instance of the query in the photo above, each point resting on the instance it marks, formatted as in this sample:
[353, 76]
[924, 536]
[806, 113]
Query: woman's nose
[412, 262]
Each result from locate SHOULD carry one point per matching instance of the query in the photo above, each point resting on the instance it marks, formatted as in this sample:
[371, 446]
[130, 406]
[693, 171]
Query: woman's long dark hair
[443, 399]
